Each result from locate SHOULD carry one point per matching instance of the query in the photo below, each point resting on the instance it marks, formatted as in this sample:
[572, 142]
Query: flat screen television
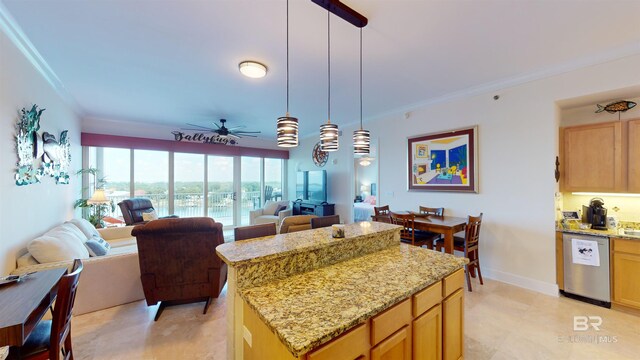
[312, 185]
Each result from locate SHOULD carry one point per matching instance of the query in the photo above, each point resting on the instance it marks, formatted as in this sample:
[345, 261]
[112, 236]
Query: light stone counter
[324, 303]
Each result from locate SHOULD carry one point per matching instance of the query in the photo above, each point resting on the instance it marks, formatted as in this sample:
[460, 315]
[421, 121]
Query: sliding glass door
[251, 196]
[221, 192]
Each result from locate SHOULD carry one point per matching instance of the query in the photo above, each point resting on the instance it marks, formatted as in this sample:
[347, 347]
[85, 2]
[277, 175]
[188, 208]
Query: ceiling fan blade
[246, 132]
[240, 135]
[237, 127]
[198, 126]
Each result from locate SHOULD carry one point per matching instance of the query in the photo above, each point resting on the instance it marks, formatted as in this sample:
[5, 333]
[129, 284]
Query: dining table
[24, 303]
[445, 225]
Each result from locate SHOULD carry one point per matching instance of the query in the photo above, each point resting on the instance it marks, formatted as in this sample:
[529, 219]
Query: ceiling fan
[221, 130]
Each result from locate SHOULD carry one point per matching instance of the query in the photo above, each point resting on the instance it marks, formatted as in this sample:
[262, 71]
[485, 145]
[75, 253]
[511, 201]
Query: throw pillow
[97, 246]
[86, 227]
[151, 215]
[279, 208]
[64, 242]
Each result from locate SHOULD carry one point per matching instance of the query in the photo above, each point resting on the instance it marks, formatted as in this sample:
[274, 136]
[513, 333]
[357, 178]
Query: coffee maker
[595, 214]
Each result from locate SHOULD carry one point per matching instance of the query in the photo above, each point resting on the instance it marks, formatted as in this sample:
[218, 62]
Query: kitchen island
[297, 296]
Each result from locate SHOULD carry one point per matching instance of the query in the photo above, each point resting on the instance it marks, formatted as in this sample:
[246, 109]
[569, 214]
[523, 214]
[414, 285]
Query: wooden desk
[445, 225]
[23, 304]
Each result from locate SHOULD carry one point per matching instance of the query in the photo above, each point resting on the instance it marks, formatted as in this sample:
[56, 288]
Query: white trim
[14, 32]
[521, 281]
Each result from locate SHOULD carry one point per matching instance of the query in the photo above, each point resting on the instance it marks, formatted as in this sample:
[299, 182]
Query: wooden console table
[23, 304]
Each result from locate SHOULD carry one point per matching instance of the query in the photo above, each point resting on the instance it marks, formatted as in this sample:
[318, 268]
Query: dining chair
[423, 210]
[254, 231]
[469, 245]
[324, 221]
[408, 234]
[51, 338]
[381, 214]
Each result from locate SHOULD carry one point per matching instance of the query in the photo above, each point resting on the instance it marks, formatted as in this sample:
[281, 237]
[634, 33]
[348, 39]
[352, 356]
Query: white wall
[518, 142]
[28, 211]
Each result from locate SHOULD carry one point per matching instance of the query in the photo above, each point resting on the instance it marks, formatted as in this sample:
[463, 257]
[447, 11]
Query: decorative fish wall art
[40, 155]
[617, 106]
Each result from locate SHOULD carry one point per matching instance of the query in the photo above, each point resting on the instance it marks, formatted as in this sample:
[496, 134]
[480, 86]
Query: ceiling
[176, 62]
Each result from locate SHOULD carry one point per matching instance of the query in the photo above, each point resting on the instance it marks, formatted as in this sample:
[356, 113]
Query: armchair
[267, 214]
[178, 261]
[132, 210]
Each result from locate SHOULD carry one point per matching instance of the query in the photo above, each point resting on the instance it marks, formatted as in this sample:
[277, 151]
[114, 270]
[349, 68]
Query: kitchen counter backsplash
[629, 225]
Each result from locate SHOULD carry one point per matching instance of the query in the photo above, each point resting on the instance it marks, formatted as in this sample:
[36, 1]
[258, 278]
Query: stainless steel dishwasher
[586, 268]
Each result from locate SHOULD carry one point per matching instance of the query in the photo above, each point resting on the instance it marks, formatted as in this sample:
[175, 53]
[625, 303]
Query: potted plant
[97, 206]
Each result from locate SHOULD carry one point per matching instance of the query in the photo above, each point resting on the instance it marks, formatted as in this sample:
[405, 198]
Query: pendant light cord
[328, 66]
[360, 78]
[287, 57]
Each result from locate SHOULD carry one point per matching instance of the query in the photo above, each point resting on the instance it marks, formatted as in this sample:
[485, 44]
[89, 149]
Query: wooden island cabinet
[426, 326]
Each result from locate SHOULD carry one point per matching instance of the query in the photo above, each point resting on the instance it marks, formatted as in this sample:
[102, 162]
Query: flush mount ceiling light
[287, 126]
[252, 69]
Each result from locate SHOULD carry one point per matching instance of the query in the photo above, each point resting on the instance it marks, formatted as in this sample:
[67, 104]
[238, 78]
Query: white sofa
[106, 281]
[265, 215]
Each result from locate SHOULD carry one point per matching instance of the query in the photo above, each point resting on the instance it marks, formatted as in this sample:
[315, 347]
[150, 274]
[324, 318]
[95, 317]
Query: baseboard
[521, 281]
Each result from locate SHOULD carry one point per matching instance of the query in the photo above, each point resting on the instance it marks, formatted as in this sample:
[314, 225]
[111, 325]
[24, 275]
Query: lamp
[361, 138]
[98, 197]
[329, 131]
[252, 69]
[287, 126]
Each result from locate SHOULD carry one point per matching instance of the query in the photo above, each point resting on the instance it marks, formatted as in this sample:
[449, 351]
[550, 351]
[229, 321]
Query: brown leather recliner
[132, 210]
[178, 261]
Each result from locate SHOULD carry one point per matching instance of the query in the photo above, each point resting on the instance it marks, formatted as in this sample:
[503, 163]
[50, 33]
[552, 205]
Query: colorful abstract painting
[444, 161]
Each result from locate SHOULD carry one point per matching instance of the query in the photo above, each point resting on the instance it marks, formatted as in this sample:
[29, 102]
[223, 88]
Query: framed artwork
[445, 161]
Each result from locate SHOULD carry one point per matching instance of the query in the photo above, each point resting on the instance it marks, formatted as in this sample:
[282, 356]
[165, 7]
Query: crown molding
[577, 64]
[13, 31]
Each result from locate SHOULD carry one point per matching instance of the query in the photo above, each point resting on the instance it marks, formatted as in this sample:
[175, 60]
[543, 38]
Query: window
[220, 193]
[250, 199]
[151, 174]
[116, 167]
[272, 179]
[188, 188]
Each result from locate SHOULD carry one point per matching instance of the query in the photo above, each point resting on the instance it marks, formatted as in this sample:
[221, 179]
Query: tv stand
[307, 207]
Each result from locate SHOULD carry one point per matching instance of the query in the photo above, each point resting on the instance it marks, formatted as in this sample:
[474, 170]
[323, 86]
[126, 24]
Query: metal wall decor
[40, 155]
[319, 156]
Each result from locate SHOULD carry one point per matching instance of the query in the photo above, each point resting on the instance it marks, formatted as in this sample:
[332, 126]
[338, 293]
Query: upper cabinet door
[592, 158]
[633, 142]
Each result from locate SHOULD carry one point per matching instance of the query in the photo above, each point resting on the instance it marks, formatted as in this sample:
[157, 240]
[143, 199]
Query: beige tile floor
[501, 322]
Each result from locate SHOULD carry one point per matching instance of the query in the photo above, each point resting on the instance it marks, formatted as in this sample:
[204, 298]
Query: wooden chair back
[423, 210]
[407, 221]
[472, 232]
[324, 221]
[61, 322]
[381, 214]
[254, 231]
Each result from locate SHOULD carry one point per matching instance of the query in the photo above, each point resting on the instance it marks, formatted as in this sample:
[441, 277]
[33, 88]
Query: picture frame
[444, 161]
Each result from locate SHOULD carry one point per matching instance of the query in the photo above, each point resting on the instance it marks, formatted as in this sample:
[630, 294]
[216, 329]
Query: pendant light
[287, 126]
[361, 138]
[329, 131]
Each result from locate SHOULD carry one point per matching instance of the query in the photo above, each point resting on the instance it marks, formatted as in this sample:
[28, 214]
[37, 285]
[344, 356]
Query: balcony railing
[220, 205]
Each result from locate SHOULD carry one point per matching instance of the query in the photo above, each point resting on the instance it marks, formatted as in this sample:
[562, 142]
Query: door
[221, 194]
[427, 335]
[250, 187]
[453, 328]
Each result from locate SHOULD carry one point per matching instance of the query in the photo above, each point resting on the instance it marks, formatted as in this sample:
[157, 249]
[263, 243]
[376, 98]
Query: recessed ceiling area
[176, 62]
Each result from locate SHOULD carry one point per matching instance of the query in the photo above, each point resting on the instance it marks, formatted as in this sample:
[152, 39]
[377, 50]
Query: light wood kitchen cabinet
[453, 326]
[633, 175]
[626, 272]
[592, 158]
[350, 346]
[427, 335]
[395, 347]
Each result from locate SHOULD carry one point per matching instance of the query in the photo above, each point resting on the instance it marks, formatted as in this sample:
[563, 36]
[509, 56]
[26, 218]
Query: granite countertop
[283, 245]
[309, 309]
[608, 233]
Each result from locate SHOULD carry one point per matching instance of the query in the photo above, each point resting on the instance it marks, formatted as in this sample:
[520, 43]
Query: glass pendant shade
[329, 137]
[287, 130]
[361, 142]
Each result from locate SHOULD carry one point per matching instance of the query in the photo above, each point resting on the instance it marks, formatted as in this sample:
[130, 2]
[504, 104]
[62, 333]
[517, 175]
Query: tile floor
[501, 322]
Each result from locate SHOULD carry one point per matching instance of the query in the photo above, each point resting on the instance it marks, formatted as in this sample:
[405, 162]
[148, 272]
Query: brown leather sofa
[132, 210]
[178, 261]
